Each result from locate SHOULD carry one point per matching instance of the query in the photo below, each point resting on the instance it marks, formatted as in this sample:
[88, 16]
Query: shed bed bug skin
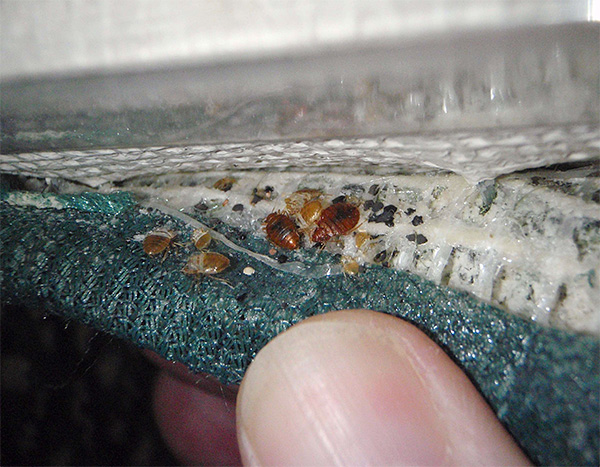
[282, 231]
[158, 241]
[300, 198]
[337, 219]
[207, 262]
[201, 238]
[224, 184]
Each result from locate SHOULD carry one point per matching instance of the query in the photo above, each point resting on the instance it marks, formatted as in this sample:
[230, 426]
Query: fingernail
[337, 392]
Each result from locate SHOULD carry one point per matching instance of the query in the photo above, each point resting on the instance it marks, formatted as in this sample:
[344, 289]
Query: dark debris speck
[386, 217]
[417, 220]
[368, 204]
[352, 188]
[410, 211]
[418, 238]
[238, 208]
[282, 259]
[374, 190]
[378, 206]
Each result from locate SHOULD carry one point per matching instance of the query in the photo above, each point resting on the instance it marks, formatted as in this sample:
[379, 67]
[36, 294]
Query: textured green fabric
[81, 257]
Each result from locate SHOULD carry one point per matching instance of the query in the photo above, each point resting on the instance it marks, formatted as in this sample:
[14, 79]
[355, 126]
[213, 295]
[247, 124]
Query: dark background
[73, 396]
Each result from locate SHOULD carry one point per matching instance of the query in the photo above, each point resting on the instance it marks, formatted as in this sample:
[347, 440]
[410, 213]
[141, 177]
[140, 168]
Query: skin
[350, 387]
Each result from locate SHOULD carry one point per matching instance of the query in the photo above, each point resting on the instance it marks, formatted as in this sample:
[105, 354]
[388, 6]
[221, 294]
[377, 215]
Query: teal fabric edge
[78, 258]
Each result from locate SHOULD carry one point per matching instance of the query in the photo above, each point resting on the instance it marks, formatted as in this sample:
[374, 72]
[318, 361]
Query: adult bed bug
[282, 231]
[337, 219]
[158, 241]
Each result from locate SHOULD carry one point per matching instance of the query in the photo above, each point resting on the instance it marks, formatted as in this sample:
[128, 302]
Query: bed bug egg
[224, 184]
[207, 262]
[282, 231]
[158, 241]
[337, 219]
[201, 238]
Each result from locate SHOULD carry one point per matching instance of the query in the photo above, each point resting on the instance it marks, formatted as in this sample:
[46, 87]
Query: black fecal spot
[374, 190]
[238, 208]
[149, 209]
[255, 199]
[417, 220]
[379, 257]
[268, 190]
[410, 211]
[282, 259]
[411, 237]
[339, 199]
[337, 256]
[391, 208]
[386, 217]
[201, 207]
[378, 206]
[536, 180]
[421, 239]
[242, 297]
[368, 204]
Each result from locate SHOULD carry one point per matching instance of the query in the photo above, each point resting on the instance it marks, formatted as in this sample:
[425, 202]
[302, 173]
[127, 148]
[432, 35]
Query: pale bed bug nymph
[350, 266]
[207, 263]
[159, 241]
[201, 238]
[311, 212]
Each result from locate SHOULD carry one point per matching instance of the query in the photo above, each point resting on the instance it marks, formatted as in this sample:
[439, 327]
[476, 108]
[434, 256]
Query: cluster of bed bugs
[306, 213]
[205, 263]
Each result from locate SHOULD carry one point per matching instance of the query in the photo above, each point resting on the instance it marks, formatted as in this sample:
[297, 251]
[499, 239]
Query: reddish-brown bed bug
[337, 219]
[159, 241]
[282, 231]
[201, 238]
